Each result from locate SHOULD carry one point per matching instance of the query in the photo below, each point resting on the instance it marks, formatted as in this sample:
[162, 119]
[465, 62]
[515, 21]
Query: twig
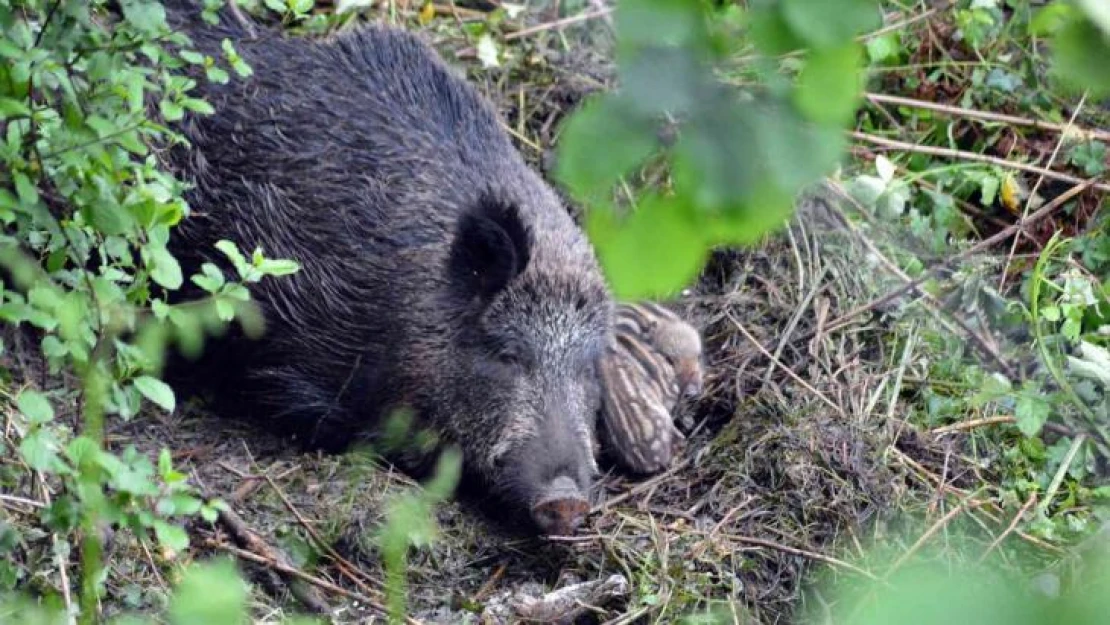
[311, 579]
[787, 370]
[926, 476]
[243, 535]
[932, 303]
[60, 559]
[487, 588]
[1033, 194]
[972, 156]
[1040, 214]
[349, 570]
[642, 486]
[972, 424]
[20, 500]
[152, 563]
[967, 503]
[1011, 527]
[697, 552]
[459, 12]
[812, 555]
[1058, 479]
[1014, 120]
[818, 286]
[566, 21]
[539, 28]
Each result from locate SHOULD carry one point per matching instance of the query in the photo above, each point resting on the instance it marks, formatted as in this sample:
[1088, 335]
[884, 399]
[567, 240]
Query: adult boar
[439, 273]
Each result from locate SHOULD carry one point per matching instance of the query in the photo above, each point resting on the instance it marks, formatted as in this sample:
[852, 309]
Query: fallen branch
[566, 21]
[253, 543]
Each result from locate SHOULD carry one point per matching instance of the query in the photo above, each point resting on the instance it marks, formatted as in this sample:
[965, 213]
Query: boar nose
[560, 517]
[563, 511]
[691, 383]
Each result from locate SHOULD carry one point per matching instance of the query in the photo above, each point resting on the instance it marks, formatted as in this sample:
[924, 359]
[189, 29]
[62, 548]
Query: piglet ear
[492, 246]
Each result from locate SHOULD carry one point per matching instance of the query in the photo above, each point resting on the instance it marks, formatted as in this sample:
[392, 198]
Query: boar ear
[492, 246]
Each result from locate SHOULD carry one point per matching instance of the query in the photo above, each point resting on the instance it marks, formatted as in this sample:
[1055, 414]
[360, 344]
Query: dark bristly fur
[438, 271]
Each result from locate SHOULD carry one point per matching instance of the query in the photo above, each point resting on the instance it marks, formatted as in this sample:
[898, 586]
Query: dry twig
[973, 156]
[990, 116]
[254, 544]
[1011, 527]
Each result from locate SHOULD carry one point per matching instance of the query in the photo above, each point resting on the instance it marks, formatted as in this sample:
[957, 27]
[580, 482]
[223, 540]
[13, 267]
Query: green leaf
[823, 23]
[279, 267]
[165, 270]
[1098, 11]
[654, 253]
[156, 391]
[209, 594]
[225, 310]
[880, 49]
[185, 505]
[770, 32]
[662, 23]
[171, 110]
[234, 255]
[198, 106]
[109, 219]
[988, 189]
[34, 406]
[1051, 18]
[171, 536]
[210, 279]
[1031, 414]
[28, 194]
[1081, 51]
[165, 462]
[39, 450]
[209, 514]
[828, 89]
[10, 107]
[217, 75]
[82, 451]
[148, 17]
[192, 57]
[600, 125]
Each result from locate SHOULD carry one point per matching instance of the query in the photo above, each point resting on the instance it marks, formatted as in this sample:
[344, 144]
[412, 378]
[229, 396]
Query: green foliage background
[88, 211]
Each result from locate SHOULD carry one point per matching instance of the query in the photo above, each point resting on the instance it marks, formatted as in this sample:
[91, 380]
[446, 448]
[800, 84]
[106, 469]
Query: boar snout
[562, 509]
